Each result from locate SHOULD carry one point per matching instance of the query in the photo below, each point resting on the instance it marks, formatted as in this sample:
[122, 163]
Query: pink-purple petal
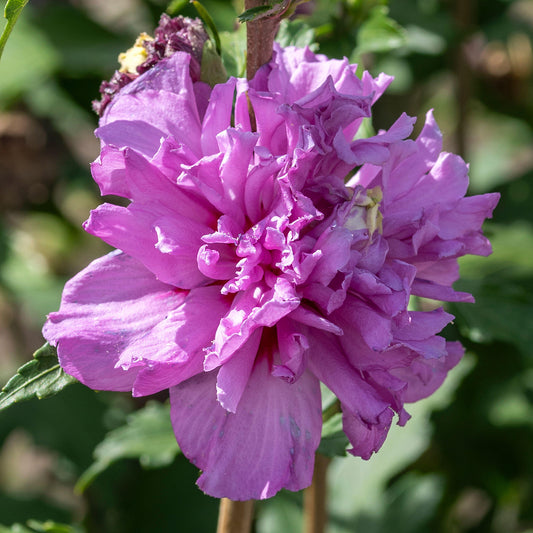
[160, 93]
[242, 455]
[103, 312]
[176, 344]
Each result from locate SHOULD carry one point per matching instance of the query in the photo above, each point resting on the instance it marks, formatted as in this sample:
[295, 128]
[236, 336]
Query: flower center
[289, 245]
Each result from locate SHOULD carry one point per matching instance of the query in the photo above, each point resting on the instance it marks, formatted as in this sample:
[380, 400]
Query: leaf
[208, 20]
[176, 6]
[253, 13]
[11, 13]
[39, 378]
[380, 33]
[334, 441]
[277, 9]
[52, 527]
[234, 51]
[147, 436]
[213, 71]
[503, 311]
[40, 527]
[502, 285]
[296, 33]
[15, 528]
[412, 491]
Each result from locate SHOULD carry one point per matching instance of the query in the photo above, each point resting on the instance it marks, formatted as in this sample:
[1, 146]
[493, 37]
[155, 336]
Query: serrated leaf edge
[9, 393]
[12, 16]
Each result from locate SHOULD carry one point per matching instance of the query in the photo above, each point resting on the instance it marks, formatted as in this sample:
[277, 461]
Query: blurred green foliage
[147, 436]
[462, 464]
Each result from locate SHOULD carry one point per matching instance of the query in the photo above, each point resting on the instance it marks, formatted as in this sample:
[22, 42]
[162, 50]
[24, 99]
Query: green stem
[331, 410]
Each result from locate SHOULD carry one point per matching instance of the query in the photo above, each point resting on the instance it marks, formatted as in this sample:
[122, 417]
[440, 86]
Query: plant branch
[235, 517]
[315, 498]
[260, 34]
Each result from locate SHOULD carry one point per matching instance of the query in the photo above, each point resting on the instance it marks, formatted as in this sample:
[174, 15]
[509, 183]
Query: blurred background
[464, 463]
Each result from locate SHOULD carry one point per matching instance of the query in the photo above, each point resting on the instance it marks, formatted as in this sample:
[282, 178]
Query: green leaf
[412, 492]
[13, 8]
[380, 33]
[275, 9]
[11, 13]
[40, 527]
[52, 527]
[502, 285]
[147, 436]
[208, 20]
[213, 71]
[334, 441]
[39, 378]
[253, 13]
[15, 528]
[176, 6]
[503, 311]
[234, 51]
[296, 33]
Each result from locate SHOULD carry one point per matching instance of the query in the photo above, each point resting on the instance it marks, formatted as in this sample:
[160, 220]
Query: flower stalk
[260, 34]
[235, 516]
[315, 498]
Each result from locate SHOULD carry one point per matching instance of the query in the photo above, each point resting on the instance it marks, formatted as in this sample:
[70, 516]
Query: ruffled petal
[142, 175]
[328, 362]
[233, 376]
[173, 351]
[366, 438]
[250, 310]
[167, 246]
[424, 376]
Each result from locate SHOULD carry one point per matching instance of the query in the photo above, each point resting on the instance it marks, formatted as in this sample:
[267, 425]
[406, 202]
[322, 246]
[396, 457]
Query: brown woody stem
[260, 34]
[235, 517]
[315, 498]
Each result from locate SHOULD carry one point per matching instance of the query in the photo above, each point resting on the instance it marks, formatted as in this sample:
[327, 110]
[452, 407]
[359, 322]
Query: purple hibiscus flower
[248, 270]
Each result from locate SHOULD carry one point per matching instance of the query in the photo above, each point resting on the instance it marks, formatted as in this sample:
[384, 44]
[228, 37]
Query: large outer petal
[112, 304]
[217, 116]
[163, 225]
[267, 445]
[159, 103]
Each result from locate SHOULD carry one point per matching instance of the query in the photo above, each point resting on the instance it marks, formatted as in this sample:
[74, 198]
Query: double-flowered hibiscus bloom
[255, 261]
